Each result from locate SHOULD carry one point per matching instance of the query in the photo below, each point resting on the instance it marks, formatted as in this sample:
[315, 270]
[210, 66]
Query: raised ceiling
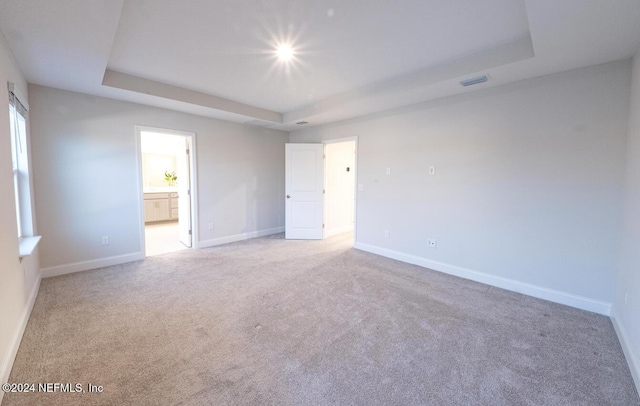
[217, 59]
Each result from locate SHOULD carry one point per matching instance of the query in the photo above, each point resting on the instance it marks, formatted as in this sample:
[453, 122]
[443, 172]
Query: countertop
[167, 189]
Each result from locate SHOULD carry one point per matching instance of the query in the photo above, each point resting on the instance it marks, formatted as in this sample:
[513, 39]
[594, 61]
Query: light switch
[388, 171]
[360, 187]
[432, 170]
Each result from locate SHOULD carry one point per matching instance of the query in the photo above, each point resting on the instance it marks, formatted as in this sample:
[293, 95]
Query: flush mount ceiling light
[474, 81]
[284, 52]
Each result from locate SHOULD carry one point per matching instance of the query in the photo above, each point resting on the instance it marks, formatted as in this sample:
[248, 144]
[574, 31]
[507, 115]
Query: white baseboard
[10, 356]
[93, 264]
[239, 237]
[629, 353]
[336, 231]
[540, 292]
[137, 256]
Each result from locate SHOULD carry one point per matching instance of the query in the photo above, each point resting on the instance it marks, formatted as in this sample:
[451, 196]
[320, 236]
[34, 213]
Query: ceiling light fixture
[284, 52]
[474, 81]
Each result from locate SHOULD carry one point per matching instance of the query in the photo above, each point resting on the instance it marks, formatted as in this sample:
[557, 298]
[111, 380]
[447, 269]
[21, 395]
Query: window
[19, 157]
[18, 109]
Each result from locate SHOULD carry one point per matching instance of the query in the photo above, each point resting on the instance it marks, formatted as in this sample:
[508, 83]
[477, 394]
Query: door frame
[355, 184]
[192, 184]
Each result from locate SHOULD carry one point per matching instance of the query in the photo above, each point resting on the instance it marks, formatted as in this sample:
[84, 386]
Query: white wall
[86, 176]
[19, 281]
[627, 315]
[528, 186]
[339, 187]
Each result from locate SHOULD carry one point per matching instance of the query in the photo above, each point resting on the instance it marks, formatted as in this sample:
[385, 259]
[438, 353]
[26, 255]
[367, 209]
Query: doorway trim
[355, 184]
[192, 184]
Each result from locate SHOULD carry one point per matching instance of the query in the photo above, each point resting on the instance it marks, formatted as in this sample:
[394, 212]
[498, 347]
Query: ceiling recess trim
[391, 93]
[141, 85]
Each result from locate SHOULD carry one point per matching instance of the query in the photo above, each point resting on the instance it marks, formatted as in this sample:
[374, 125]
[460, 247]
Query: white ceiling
[215, 58]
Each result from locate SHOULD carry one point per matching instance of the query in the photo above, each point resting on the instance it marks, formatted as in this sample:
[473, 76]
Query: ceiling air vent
[302, 122]
[474, 81]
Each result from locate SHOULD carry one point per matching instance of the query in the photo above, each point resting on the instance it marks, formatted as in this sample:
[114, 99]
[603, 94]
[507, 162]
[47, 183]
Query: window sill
[28, 245]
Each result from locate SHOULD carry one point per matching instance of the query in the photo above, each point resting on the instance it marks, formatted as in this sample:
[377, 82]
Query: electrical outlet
[210, 226]
[432, 170]
[431, 243]
[105, 240]
[387, 234]
[360, 187]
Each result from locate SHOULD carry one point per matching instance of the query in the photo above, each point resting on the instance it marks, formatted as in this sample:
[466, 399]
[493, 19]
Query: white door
[184, 194]
[304, 171]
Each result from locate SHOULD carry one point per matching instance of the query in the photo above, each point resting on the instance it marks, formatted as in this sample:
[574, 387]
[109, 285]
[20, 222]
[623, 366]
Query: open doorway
[167, 176]
[320, 189]
[340, 186]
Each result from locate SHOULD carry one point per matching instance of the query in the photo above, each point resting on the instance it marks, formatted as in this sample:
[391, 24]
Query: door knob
[288, 196]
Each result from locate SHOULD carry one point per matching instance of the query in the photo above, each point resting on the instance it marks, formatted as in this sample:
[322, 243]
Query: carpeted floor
[275, 322]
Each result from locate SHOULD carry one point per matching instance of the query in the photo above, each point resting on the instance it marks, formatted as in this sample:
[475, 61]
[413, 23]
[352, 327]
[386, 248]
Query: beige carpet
[275, 322]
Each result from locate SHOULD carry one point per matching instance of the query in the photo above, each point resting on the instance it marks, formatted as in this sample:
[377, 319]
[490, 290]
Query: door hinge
[323, 191]
[188, 192]
[187, 151]
[189, 232]
[322, 225]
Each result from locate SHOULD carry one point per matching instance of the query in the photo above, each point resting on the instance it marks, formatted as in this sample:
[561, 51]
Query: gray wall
[627, 315]
[528, 186]
[18, 280]
[85, 168]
